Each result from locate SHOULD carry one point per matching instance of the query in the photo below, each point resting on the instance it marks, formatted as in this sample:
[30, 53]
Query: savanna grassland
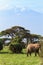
[41, 54]
[8, 58]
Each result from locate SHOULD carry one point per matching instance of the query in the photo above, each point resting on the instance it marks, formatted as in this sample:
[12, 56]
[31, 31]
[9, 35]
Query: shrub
[1, 44]
[23, 45]
[16, 48]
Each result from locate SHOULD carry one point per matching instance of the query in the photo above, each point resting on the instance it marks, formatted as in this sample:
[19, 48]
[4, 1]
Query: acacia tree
[21, 33]
[16, 31]
[34, 38]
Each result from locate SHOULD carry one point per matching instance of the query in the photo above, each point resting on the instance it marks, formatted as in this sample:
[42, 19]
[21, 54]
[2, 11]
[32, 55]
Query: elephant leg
[27, 53]
[38, 53]
[30, 53]
[35, 54]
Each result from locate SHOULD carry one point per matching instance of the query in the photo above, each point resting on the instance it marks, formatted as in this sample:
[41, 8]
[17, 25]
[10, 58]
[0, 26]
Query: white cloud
[23, 9]
[9, 4]
[2, 7]
[5, 4]
[19, 11]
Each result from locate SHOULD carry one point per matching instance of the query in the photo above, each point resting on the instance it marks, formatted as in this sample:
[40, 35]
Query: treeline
[17, 35]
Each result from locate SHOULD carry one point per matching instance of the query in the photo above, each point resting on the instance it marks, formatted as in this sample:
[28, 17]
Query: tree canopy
[19, 31]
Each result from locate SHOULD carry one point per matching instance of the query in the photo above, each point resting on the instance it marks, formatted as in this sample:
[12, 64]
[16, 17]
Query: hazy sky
[26, 13]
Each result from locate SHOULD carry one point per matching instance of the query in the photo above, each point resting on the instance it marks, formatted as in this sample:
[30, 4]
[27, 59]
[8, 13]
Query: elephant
[33, 48]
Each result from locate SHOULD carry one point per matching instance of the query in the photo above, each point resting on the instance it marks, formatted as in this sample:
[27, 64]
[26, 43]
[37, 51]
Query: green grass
[17, 59]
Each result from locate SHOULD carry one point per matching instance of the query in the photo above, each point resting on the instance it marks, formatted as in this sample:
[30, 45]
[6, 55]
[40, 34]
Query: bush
[16, 48]
[1, 47]
[23, 45]
[1, 44]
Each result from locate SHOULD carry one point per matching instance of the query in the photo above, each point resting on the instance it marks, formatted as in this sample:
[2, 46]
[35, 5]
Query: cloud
[23, 9]
[5, 4]
[19, 11]
[2, 7]
[23, 4]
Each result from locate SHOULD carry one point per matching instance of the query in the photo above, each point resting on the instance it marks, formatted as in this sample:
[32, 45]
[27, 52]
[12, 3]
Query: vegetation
[16, 48]
[20, 32]
[17, 45]
[41, 54]
[1, 44]
[8, 58]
